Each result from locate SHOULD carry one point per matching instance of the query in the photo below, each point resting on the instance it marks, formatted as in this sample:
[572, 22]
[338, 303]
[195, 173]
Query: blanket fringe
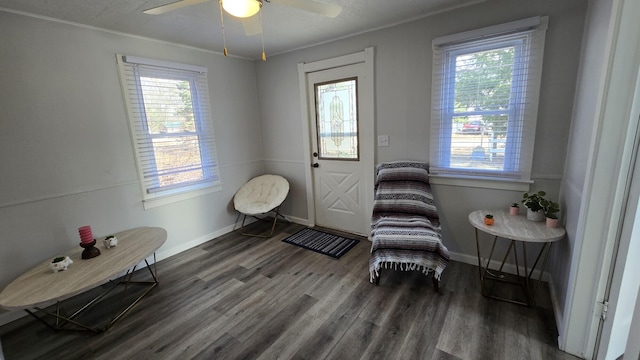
[374, 272]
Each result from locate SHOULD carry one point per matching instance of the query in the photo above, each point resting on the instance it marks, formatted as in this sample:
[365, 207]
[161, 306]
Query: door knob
[315, 165]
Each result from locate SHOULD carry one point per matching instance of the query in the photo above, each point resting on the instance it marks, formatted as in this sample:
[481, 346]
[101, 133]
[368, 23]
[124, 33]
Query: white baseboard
[508, 268]
[161, 255]
[203, 239]
[298, 220]
[557, 309]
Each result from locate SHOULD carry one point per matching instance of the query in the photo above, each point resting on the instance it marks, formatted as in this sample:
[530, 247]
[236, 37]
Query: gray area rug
[322, 242]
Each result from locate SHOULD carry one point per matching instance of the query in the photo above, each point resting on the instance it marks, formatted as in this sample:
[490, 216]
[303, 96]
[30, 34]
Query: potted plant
[488, 219]
[533, 203]
[514, 209]
[550, 210]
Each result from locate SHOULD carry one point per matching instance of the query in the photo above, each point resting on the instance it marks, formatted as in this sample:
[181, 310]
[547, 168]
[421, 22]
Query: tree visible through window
[172, 131]
[171, 128]
[481, 103]
[484, 106]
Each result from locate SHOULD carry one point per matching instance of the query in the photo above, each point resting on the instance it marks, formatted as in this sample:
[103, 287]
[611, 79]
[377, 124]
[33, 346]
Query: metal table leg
[62, 320]
[525, 282]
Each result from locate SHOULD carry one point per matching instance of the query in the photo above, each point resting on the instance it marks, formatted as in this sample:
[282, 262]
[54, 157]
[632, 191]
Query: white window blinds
[171, 125]
[485, 100]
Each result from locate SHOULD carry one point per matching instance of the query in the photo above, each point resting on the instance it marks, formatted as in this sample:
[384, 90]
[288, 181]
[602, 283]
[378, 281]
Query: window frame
[132, 69]
[525, 35]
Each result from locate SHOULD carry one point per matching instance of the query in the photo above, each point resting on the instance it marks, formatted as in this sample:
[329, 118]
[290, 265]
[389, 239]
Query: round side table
[514, 228]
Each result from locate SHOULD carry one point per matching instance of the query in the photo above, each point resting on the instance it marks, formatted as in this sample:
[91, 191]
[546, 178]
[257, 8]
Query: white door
[341, 147]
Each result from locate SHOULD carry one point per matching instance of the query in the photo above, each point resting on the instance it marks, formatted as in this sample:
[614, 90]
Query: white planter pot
[535, 216]
[61, 265]
[110, 241]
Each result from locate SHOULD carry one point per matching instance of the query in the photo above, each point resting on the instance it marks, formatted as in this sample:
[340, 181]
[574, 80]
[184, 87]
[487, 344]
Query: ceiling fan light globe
[241, 8]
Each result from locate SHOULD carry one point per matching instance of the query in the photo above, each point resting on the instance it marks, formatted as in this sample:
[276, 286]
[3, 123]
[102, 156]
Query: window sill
[481, 182]
[169, 199]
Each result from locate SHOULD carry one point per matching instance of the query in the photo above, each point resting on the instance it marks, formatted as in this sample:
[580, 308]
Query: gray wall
[66, 155]
[403, 94]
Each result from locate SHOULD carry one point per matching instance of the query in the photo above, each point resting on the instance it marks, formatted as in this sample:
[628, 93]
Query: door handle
[315, 165]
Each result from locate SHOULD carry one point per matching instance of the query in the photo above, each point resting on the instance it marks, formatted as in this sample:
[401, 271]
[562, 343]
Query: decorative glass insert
[337, 119]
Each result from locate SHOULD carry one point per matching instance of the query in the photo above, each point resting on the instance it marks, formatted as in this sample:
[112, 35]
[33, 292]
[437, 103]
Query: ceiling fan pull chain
[264, 56]
[224, 39]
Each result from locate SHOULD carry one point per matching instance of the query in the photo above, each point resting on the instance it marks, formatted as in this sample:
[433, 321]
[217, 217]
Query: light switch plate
[383, 140]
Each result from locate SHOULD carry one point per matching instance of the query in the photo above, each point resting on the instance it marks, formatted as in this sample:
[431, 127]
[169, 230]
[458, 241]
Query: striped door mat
[322, 242]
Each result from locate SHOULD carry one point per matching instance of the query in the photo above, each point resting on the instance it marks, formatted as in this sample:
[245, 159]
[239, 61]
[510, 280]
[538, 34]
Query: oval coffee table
[40, 287]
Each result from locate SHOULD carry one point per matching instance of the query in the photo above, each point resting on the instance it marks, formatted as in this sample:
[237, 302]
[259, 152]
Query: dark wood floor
[239, 297]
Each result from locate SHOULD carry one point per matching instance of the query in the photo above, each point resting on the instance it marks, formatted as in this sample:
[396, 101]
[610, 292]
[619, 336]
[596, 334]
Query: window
[171, 126]
[485, 99]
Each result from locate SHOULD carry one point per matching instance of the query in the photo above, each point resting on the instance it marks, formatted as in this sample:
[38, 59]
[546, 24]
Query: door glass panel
[337, 119]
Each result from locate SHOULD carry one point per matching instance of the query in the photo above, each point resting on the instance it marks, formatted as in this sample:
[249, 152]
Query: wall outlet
[383, 140]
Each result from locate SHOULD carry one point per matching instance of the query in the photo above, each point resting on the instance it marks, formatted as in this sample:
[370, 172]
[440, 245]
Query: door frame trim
[366, 58]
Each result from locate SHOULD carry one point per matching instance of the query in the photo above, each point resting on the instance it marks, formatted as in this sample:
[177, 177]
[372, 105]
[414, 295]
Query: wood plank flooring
[238, 297]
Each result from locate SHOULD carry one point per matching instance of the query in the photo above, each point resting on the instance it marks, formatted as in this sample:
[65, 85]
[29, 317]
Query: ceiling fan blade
[313, 6]
[173, 6]
[252, 25]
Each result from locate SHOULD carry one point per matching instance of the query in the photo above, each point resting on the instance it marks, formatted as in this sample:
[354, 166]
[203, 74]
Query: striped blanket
[405, 227]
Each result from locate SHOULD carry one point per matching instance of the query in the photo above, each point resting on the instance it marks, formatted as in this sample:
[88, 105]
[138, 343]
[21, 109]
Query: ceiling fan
[246, 9]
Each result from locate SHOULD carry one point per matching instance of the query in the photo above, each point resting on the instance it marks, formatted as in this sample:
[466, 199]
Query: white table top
[515, 227]
[40, 286]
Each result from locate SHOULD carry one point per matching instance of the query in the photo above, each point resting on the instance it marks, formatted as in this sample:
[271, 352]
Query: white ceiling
[199, 25]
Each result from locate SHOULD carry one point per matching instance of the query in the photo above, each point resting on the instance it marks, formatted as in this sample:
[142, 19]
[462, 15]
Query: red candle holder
[90, 251]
